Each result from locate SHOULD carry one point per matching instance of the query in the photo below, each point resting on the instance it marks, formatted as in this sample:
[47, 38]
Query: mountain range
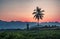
[22, 25]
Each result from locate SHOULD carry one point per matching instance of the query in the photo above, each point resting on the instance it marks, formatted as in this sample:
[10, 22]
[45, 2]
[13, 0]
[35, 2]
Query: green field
[42, 34]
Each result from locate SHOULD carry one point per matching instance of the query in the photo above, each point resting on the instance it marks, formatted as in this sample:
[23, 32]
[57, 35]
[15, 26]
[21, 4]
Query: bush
[43, 34]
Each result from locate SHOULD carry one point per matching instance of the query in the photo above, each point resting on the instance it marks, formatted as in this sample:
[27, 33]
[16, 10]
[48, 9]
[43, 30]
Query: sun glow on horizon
[21, 10]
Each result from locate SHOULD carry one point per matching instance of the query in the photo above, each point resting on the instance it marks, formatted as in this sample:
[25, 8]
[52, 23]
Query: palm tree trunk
[38, 25]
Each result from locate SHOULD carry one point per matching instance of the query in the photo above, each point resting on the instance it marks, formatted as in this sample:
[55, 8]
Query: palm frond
[38, 13]
[34, 13]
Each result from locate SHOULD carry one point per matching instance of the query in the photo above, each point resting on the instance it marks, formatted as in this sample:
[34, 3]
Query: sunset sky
[21, 10]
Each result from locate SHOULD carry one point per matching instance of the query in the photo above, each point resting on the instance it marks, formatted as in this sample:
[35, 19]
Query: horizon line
[26, 21]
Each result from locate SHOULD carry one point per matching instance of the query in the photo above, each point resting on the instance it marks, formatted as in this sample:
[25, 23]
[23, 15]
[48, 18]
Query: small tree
[27, 26]
[38, 14]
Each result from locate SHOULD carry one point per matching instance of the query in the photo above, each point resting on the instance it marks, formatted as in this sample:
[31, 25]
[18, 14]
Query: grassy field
[42, 34]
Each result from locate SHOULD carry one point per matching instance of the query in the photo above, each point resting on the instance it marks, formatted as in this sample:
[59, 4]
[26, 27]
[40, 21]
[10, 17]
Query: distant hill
[14, 24]
[22, 25]
[50, 23]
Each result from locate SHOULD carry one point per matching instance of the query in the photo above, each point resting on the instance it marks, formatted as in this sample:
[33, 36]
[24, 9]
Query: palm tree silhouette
[38, 14]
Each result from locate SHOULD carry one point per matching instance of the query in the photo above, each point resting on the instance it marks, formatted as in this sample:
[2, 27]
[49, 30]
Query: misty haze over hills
[22, 25]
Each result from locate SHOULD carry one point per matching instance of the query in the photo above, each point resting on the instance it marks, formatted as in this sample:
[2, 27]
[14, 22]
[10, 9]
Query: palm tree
[38, 14]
